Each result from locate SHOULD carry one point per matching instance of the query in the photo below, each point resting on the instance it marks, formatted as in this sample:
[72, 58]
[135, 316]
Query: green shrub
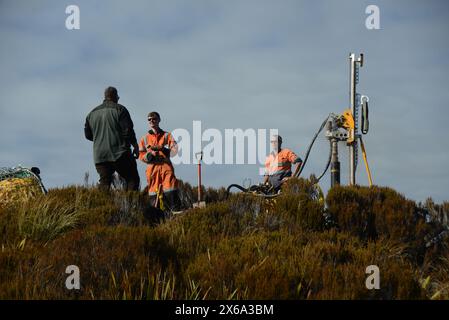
[9, 230]
[325, 265]
[105, 208]
[112, 261]
[373, 212]
[189, 194]
[244, 247]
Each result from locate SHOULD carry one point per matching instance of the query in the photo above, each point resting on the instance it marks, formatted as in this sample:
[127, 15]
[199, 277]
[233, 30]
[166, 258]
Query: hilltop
[242, 247]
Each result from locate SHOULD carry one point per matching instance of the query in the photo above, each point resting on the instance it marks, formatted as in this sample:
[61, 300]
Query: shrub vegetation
[295, 246]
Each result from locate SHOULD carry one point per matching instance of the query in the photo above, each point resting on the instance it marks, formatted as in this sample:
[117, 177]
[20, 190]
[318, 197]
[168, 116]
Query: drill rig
[345, 128]
[339, 128]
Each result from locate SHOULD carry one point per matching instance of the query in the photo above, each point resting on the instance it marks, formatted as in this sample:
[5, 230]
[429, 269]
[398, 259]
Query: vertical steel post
[199, 156]
[335, 164]
[354, 65]
[352, 93]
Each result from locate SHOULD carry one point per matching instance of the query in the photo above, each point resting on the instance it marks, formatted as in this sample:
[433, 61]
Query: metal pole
[352, 92]
[199, 157]
[335, 164]
[199, 182]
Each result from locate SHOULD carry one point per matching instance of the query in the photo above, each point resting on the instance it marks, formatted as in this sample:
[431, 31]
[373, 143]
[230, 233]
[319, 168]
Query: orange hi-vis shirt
[281, 163]
[160, 173]
[151, 139]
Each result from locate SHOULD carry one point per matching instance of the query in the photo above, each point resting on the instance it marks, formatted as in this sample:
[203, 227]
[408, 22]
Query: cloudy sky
[231, 64]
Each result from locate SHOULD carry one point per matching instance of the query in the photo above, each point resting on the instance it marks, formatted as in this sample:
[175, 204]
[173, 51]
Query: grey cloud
[231, 64]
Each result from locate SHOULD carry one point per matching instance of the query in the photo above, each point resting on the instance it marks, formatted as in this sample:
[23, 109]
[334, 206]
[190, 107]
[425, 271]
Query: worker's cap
[276, 138]
[111, 93]
[154, 114]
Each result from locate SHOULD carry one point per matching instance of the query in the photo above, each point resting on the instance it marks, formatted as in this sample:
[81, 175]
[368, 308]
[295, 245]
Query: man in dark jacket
[111, 129]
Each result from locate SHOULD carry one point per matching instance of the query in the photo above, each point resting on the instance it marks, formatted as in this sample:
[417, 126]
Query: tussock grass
[46, 218]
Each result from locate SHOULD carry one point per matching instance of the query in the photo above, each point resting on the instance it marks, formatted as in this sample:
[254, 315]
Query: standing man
[111, 129]
[155, 149]
[278, 165]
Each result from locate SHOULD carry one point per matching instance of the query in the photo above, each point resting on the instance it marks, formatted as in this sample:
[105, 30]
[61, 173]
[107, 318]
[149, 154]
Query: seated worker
[155, 149]
[279, 163]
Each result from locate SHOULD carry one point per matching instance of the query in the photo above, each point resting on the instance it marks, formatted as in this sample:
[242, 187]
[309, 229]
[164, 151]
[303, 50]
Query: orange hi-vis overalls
[278, 166]
[160, 172]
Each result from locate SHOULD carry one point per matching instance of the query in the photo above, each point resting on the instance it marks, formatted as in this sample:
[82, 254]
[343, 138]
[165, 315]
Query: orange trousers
[161, 175]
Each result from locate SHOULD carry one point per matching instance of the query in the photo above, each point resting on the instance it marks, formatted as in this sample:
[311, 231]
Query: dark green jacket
[111, 129]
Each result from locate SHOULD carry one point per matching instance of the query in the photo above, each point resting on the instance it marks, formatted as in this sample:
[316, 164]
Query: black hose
[251, 190]
[236, 186]
[310, 146]
[328, 161]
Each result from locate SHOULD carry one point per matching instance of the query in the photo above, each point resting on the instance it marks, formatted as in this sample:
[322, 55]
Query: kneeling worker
[279, 163]
[155, 149]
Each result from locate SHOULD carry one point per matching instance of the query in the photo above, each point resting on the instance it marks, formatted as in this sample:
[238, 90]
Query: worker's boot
[152, 214]
[173, 200]
[152, 200]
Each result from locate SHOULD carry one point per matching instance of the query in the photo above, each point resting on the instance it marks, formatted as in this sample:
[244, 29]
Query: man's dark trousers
[125, 166]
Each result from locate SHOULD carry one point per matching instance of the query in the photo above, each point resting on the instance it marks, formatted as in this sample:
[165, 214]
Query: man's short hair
[110, 93]
[276, 137]
[154, 114]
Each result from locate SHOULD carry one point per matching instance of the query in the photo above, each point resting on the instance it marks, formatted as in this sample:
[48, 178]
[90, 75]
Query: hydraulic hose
[251, 190]
[310, 146]
[328, 162]
[236, 186]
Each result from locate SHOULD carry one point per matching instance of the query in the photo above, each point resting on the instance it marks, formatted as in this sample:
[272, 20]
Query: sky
[249, 64]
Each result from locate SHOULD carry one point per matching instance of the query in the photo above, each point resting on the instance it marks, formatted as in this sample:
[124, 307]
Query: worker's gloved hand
[166, 152]
[156, 148]
[149, 157]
